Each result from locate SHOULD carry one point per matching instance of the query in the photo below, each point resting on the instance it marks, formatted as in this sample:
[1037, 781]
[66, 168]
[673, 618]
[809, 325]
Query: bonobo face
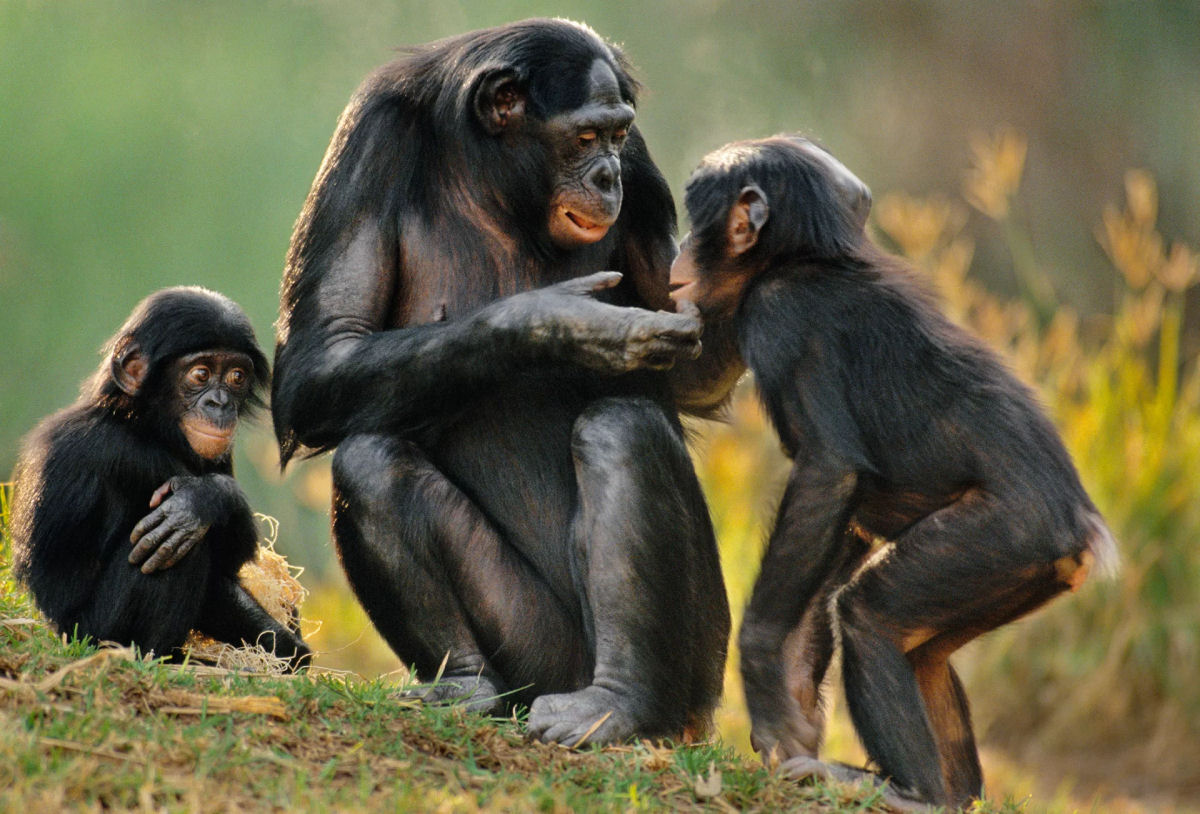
[819, 207]
[587, 195]
[714, 281]
[694, 284]
[211, 388]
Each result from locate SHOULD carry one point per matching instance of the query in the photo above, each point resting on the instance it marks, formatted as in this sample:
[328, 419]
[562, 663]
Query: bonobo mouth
[682, 291]
[569, 227]
[208, 440]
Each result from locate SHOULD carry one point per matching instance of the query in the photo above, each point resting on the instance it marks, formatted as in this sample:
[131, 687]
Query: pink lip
[682, 291]
[586, 229]
[215, 433]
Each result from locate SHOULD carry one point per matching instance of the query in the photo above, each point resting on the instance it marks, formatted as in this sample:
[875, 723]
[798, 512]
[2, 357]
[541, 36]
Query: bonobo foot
[475, 692]
[786, 736]
[894, 797]
[591, 715]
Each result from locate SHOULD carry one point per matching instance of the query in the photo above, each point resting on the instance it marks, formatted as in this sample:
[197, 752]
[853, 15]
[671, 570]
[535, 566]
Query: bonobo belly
[512, 456]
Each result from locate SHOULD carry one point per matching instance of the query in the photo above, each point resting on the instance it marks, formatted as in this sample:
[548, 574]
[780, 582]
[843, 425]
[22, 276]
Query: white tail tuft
[1101, 543]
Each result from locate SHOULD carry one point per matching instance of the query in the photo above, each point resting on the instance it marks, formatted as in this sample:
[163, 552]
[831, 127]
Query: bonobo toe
[590, 715]
[476, 693]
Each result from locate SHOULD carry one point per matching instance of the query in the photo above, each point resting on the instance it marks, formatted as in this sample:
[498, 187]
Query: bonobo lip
[208, 440]
[211, 430]
[683, 290]
[575, 227]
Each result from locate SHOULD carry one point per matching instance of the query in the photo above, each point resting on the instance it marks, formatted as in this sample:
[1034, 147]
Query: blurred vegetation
[145, 145]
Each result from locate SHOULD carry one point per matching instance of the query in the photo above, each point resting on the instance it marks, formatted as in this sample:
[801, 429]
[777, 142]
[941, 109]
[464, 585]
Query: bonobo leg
[645, 561]
[811, 551]
[959, 572]
[439, 582]
[231, 614]
[154, 611]
[807, 652]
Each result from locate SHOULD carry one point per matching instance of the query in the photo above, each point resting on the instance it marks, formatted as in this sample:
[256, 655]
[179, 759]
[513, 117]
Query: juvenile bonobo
[127, 522]
[904, 431]
[466, 317]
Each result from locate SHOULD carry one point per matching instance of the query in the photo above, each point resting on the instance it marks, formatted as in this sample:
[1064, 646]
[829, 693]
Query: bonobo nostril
[604, 176]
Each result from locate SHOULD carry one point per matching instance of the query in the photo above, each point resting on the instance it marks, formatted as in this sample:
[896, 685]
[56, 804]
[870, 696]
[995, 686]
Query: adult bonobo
[511, 489]
[127, 521]
[904, 431]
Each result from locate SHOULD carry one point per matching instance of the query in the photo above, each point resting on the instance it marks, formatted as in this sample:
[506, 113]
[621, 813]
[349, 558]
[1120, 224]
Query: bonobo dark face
[715, 281]
[211, 388]
[587, 194]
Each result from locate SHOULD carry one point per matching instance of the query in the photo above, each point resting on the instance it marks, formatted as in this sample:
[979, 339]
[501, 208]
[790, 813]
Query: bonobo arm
[338, 370]
[196, 504]
[59, 507]
[801, 555]
[702, 385]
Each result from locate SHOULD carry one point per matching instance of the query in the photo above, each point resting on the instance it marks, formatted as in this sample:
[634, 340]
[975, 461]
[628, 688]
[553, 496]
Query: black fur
[500, 427]
[86, 475]
[903, 429]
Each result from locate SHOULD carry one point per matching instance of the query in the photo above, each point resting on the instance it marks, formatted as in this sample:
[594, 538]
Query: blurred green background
[152, 144]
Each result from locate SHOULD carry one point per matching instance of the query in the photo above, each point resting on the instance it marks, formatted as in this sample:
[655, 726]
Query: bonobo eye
[198, 376]
[619, 136]
[585, 138]
[237, 379]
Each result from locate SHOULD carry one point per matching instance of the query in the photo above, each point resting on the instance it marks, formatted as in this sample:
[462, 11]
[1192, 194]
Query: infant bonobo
[128, 524]
[904, 432]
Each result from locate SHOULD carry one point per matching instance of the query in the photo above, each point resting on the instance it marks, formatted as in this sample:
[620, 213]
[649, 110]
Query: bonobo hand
[164, 536]
[566, 321]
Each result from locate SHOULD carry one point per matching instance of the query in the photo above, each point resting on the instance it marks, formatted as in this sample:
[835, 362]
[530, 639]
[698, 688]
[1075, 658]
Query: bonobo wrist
[207, 496]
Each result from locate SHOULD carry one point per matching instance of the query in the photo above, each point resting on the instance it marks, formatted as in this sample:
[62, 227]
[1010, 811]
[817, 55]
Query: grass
[84, 728]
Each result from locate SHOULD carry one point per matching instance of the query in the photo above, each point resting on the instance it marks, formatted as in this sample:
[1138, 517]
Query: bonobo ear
[129, 367]
[746, 218]
[499, 101]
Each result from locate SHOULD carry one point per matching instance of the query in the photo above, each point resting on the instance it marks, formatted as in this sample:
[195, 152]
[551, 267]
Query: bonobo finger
[687, 308]
[678, 327]
[592, 283]
[660, 353]
[160, 493]
[149, 544]
[166, 553]
[803, 766]
[658, 360]
[146, 525]
[179, 550]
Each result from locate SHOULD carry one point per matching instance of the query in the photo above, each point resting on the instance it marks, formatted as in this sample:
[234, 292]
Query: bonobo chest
[449, 270]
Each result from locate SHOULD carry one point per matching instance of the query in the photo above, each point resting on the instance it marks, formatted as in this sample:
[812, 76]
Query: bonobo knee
[624, 429]
[853, 618]
[367, 467]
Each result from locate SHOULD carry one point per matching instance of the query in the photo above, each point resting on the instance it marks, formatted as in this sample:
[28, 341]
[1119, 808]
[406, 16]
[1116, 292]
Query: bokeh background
[1039, 161]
